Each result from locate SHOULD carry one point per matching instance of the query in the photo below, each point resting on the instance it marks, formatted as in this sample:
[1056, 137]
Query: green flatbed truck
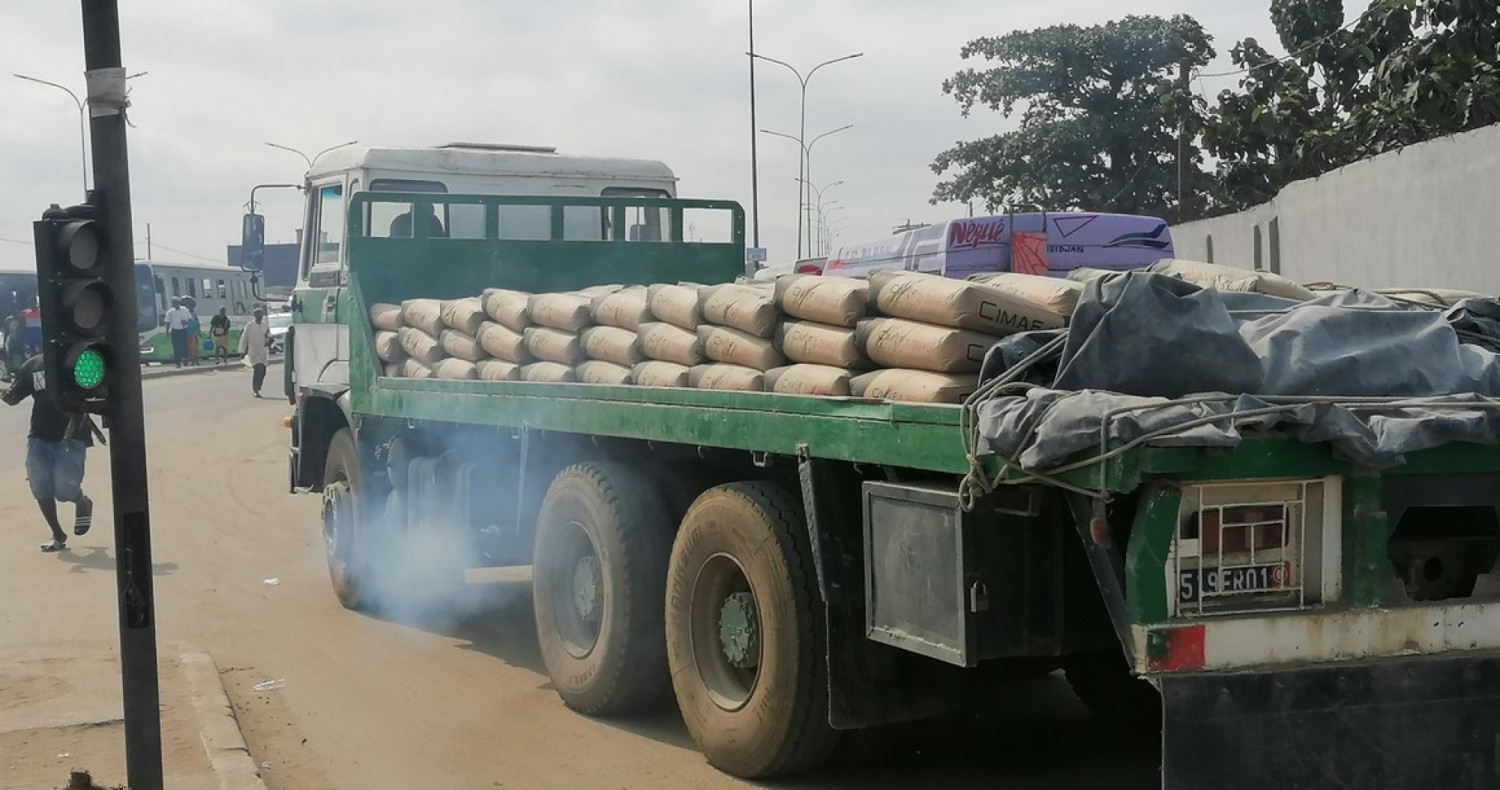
[791, 568]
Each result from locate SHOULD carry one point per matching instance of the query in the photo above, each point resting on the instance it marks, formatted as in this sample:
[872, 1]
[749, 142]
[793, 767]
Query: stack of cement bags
[900, 336]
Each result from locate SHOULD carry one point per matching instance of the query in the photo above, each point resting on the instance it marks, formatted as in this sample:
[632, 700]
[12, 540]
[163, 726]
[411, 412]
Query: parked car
[280, 323]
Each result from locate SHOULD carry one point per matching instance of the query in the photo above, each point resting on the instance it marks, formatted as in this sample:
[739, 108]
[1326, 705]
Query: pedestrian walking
[177, 321]
[255, 345]
[218, 330]
[15, 344]
[194, 332]
[54, 459]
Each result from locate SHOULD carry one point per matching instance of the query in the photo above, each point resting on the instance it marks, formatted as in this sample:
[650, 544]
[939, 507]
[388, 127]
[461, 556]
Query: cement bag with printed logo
[918, 386]
[424, 314]
[668, 343]
[1053, 294]
[460, 345]
[498, 370]
[657, 373]
[718, 376]
[678, 305]
[597, 371]
[465, 315]
[839, 301]
[568, 312]
[388, 346]
[548, 373]
[553, 345]
[722, 344]
[1228, 278]
[804, 379]
[386, 316]
[899, 343]
[455, 369]
[957, 303]
[626, 308]
[502, 342]
[420, 346]
[821, 344]
[612, 344]
[740, 307]
[507, 308]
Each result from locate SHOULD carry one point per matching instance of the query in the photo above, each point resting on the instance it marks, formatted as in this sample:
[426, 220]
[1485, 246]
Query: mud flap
[1405, 723]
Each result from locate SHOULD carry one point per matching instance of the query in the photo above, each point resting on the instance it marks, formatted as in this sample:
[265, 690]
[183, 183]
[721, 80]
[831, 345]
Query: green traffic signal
[88, 368]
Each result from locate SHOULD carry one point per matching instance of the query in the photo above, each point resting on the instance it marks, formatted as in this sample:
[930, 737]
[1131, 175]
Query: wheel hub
[335, 501]
[587, 584]
[739, 630]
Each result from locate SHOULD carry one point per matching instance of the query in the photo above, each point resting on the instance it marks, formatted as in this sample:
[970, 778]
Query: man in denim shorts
[53, 467]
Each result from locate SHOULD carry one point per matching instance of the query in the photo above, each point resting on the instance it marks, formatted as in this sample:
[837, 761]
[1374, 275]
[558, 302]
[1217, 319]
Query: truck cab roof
[482, 159]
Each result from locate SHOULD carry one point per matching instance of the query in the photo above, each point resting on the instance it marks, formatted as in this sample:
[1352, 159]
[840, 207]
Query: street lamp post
[804, 175]
[802, 128]
[83, 151]
[310, 159]
[819, 192]
[823, 226]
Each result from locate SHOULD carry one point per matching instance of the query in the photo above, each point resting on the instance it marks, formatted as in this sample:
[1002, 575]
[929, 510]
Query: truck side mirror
[253, 243]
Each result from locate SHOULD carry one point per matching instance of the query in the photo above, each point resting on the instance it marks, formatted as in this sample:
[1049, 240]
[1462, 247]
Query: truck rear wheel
[345, 516]
[599, 581]
[745, 635]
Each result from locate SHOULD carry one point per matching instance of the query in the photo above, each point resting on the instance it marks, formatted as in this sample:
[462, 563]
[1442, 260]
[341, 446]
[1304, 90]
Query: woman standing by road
[255, 342]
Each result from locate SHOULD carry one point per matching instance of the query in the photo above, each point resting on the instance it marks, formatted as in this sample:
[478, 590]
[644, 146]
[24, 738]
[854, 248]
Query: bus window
[146, 318]
[192, 284]
[223, 291]
[208, 288]
[176, 287]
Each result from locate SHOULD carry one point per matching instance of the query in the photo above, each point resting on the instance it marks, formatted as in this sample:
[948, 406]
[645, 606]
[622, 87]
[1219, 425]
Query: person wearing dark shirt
[54, 467]
[218, 329]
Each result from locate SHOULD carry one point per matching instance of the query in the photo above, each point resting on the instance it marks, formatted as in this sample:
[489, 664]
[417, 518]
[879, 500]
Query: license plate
[1194, 583]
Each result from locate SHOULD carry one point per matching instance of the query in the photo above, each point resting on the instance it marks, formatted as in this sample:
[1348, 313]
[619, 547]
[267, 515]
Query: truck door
[322, 342]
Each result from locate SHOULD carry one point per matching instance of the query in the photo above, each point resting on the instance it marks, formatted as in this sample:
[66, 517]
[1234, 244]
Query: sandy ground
[463, 703]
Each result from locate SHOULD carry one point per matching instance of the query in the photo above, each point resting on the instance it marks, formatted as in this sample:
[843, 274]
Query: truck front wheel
[599, 581]
[344, 515]
[745, 636]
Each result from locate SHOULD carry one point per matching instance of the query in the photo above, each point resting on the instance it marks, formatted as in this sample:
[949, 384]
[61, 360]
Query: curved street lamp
[802, 128]
[804, 177]
[314, 157]
[82, 104]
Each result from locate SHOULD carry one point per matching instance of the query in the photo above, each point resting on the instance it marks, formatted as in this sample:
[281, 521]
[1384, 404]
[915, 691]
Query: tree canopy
[1099, 107]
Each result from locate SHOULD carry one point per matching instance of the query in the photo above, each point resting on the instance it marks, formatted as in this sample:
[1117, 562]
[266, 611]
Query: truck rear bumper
[1402, 723]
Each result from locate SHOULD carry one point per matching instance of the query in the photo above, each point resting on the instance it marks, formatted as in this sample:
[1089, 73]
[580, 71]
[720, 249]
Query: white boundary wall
[1426, 215]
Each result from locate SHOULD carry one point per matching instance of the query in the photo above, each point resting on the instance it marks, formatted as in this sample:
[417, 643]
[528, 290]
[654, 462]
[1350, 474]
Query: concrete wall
[1427, 215]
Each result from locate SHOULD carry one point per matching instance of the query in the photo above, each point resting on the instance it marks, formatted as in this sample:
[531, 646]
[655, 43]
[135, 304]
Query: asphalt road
[457, 700]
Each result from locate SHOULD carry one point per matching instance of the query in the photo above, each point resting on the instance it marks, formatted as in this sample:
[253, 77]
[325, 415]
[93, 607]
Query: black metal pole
[127, 430]
[754, 133]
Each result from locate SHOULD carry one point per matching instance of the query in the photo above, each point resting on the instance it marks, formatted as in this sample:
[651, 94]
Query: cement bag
[465, 315]
[821, 344]
[839, 301]
[462, 346]
[497, 370]
[612, 344]
[735, 378]
[675, 304]
[412, 369]
[548, 373]
[808, 380]
[508, 308]
[424, 314]
[1049, 293]
[670, 343]
[502, 342]
[626, 308]
[599, 290]
[746, 309]
[1433, 297]
[568, 312]
[957, 303]
[656, 373]
[722, 344]
[386, 316]
[1085, 275]
[420, 346]
[388, 347]
[1228, 278]
[553, 345]
[914, 385]
[392, 369]
[455, 369]
[600, 372]
[898, 343]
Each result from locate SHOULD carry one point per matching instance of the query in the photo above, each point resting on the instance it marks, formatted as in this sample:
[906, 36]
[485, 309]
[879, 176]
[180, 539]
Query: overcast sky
[657, 79]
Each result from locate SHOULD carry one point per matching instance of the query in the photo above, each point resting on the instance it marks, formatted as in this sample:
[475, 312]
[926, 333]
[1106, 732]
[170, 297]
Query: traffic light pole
[126, 419]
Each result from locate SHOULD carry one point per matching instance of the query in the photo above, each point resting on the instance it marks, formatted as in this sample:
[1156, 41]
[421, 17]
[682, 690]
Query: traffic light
[76, 305]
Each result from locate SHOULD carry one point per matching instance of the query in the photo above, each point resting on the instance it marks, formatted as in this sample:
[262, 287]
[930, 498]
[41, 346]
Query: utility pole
[148, 241]
[1182, 131]
[126, 422]
[754, 159]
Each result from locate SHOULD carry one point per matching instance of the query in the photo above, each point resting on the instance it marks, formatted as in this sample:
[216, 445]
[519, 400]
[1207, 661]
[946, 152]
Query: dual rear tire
[727, 613]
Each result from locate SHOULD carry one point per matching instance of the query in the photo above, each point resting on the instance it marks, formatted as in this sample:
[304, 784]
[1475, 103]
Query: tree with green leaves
[1405, 71]
[1099, 110]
